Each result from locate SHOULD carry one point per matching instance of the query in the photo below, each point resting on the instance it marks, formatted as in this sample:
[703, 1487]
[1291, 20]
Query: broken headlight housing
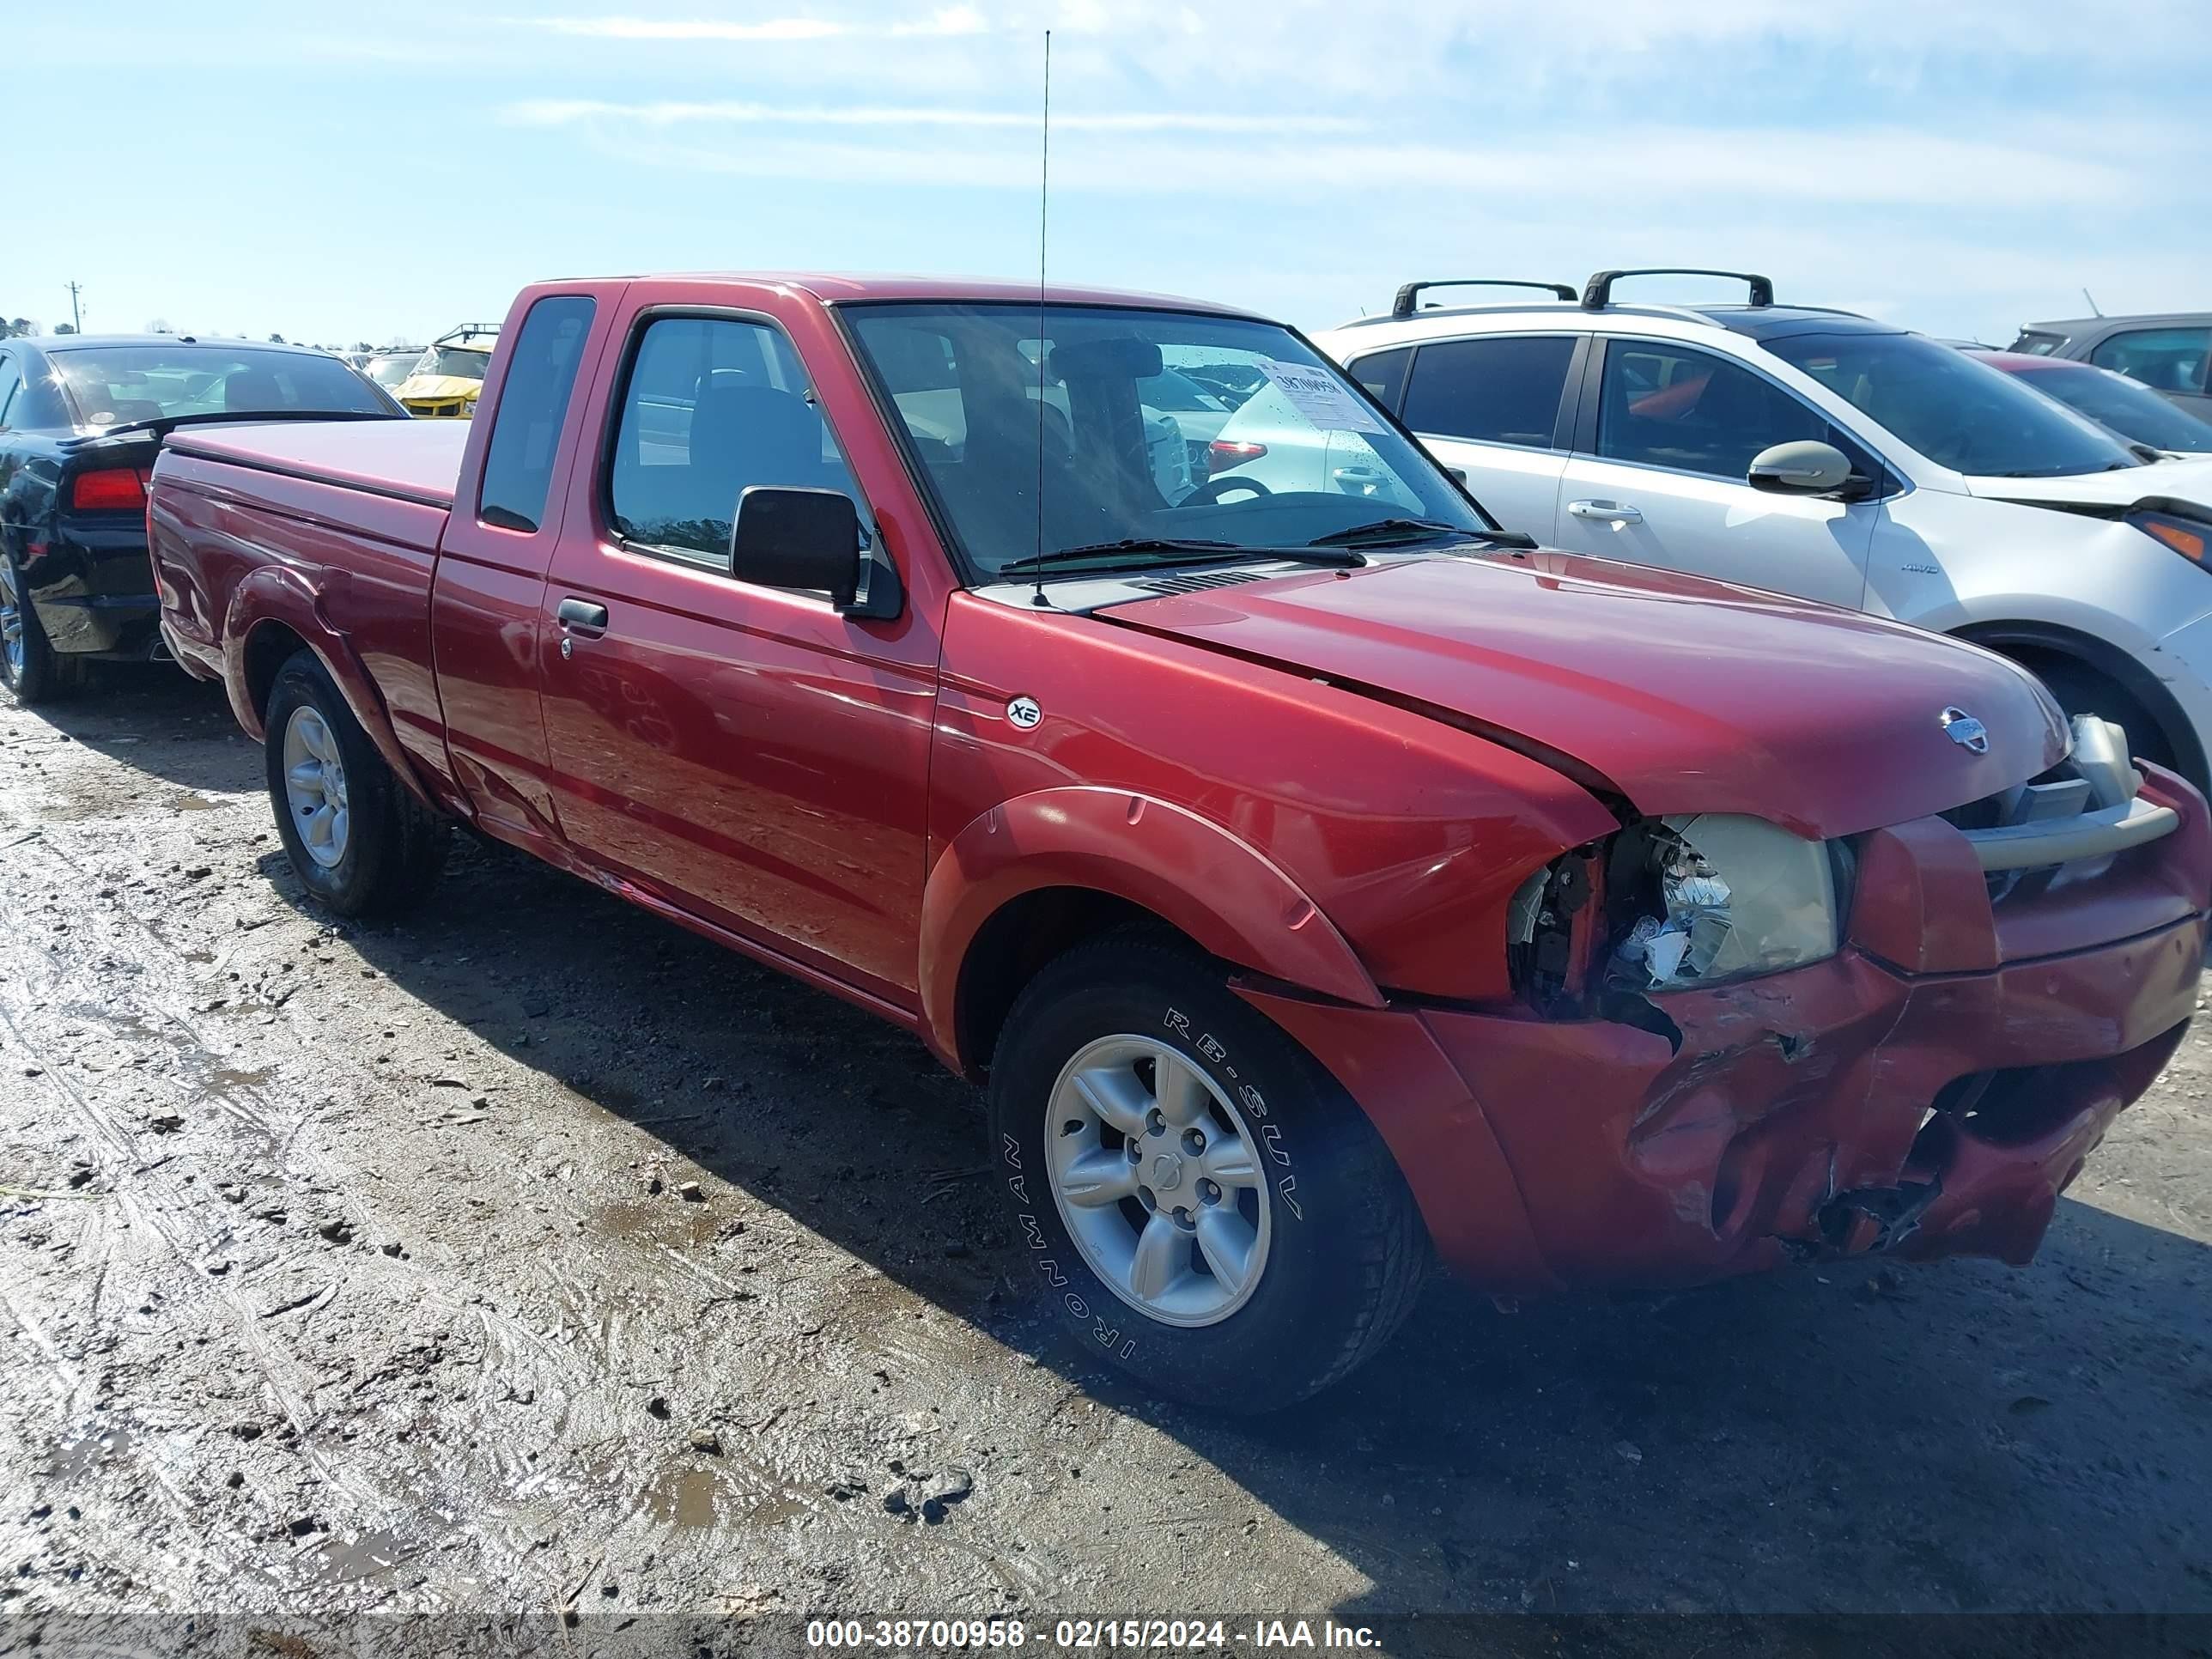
[1720, 897]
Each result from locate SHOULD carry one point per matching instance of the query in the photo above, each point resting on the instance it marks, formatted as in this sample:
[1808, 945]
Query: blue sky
[345, 173]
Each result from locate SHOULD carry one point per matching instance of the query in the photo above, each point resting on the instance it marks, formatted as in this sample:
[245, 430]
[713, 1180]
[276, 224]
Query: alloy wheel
[1159, 1180]
[12, 642]
[315, 785]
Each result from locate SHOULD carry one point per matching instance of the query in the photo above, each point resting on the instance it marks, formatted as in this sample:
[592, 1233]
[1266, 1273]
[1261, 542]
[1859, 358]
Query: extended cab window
[1668, 405]
[527, 426]
[713, 407]
[1492, 390]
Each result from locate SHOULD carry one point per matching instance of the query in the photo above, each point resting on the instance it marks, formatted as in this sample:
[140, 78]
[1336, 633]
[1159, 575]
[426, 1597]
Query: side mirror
[1806, 467]
[808, 538]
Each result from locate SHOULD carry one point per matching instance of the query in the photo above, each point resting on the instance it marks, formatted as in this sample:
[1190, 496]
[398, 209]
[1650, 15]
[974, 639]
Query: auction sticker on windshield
[1321, 398]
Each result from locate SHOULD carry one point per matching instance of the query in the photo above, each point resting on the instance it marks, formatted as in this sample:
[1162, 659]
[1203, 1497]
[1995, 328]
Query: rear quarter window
[1384, 375]
[1502, 390]
[541, 376]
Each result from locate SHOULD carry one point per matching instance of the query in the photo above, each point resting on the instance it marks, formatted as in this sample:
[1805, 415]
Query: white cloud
[652, 28]
[950, 21]
[550, 112]
[1293, 157]
[1479, 50]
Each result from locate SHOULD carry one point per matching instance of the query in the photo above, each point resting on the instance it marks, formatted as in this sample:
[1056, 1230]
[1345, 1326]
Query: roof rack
[1598, 293]
[1403, 305]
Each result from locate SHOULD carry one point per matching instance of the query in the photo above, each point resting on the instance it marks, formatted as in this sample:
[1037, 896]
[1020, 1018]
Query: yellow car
[444, 380]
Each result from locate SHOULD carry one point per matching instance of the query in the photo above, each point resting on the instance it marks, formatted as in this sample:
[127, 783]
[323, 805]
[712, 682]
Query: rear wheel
[1200, 1202]
[30, 667]
[357, 840]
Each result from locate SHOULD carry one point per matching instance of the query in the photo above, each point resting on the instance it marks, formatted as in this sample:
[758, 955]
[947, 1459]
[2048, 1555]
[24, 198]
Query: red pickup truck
[1321, 877]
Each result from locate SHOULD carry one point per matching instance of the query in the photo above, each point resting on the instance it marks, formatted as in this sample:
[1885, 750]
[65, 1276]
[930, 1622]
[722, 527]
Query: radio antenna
[1044, 204]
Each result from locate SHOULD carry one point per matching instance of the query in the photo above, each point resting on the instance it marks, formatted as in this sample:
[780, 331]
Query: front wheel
[357, 840]
[1200, 1202]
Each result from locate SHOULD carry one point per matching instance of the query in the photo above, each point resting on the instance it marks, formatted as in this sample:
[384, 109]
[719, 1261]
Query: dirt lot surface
[533, 1254]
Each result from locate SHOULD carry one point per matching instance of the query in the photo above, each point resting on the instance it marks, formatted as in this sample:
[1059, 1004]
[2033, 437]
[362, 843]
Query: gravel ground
[535, 1255]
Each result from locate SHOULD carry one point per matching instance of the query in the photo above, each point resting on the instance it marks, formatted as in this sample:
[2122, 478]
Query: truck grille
[2087, 806]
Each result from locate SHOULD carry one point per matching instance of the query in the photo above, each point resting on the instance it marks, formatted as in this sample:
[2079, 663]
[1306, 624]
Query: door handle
[582, 617]
[1607, 511]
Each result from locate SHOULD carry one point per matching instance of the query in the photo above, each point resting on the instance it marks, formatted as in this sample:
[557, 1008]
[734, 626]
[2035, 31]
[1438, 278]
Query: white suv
[1824, 454]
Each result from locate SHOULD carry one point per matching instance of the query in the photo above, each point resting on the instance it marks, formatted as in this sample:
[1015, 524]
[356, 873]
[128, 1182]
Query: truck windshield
[1958, 412]
[1099, 414]
[114, 386]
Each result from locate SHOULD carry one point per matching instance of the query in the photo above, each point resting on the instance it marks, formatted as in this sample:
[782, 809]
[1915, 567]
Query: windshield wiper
[1383, 532]
[1175, 550]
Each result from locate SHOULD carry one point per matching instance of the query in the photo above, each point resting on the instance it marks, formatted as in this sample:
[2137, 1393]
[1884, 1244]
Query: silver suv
[1806, 450]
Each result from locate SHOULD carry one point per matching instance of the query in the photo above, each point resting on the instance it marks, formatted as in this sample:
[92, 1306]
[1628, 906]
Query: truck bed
[411, 461]
[251, 520]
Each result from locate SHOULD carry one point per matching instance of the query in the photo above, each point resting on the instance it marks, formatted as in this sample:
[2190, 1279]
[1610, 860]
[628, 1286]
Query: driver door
[744, 754]
[1658, 476]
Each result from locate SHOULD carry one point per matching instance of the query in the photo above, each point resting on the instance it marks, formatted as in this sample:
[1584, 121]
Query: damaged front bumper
[1931, 1090]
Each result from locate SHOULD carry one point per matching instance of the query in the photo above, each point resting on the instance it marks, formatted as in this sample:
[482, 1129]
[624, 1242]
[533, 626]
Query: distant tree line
[11, 327]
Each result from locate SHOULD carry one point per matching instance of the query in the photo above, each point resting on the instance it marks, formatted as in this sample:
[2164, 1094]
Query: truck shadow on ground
[1848, 1437]
[158, 721]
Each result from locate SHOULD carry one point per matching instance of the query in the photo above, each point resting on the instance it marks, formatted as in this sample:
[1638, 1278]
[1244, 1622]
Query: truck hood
[437, 388]
[1680, 694]
[2189, 482]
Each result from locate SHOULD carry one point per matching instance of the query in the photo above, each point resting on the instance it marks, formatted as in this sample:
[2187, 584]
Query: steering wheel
[1213, 488]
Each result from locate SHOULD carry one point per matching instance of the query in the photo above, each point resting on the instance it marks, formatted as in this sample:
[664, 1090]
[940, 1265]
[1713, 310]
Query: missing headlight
[1553, 933]
[1698, 899]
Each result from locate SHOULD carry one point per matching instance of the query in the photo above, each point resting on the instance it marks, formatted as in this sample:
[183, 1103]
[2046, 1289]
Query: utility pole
[76, 313]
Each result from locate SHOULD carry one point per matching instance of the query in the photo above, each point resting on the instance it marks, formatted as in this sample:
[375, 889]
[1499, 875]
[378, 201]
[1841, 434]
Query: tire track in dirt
[150, 1008]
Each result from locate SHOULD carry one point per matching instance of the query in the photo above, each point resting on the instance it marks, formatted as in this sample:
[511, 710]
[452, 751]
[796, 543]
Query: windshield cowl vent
[1198, 581]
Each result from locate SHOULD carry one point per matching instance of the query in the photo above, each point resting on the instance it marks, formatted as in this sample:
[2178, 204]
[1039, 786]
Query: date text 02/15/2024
[1088, 1635]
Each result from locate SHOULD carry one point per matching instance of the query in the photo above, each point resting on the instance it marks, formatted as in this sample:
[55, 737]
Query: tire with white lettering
[1199, 1200]
[357, 840]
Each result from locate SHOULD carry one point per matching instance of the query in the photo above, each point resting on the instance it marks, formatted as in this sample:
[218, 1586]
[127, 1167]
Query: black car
[81, 418]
